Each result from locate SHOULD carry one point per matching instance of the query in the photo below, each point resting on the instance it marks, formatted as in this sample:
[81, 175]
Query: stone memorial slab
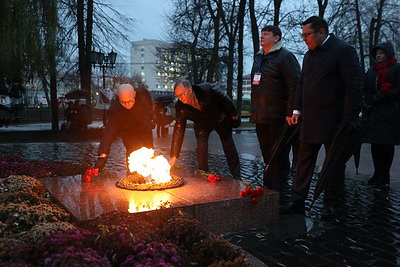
[218, 204]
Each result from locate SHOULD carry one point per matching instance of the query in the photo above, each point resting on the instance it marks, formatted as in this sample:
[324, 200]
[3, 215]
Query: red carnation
[260, 191]
[87, 178]
[254, 201]
[93, 172]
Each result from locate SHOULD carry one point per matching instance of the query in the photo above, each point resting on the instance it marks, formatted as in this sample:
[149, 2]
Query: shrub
[218, 251]
[41, 230]
[21, 217]
[57, 243]
[21, 188]
[15, 165]
[185, 233]
[73, 256]
[155, 254]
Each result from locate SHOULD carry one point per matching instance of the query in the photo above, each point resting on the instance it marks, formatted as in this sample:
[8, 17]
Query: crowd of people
[328, 91]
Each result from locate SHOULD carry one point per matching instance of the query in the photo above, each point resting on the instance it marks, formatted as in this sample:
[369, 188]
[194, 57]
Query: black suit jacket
[217, 108]
[329, 90]
[134, 125]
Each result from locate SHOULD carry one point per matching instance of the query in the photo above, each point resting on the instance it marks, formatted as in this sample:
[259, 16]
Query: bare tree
[241, 15]
[277, 11]
[322, 4]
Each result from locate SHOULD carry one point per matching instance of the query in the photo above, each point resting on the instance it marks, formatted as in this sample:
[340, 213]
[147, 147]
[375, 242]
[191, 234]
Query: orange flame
[153, 169]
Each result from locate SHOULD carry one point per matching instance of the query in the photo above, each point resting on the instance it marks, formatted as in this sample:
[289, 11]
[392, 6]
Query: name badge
[256, 78]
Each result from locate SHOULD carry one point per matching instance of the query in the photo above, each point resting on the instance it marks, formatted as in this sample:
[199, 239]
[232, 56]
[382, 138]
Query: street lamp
[103, 61]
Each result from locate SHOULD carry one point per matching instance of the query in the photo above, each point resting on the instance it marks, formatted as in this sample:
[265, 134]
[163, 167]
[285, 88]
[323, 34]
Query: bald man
[131, 117]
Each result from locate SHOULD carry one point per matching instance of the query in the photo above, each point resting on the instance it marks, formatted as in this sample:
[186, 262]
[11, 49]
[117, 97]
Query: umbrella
[285, 136]
[77, 94]
[356, 156]
[347, 140]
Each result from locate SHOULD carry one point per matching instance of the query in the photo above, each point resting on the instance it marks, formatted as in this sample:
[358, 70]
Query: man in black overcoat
[329, 93]
[210, 109]
[130, 117]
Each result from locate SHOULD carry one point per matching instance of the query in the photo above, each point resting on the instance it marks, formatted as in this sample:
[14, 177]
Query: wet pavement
[366, 231]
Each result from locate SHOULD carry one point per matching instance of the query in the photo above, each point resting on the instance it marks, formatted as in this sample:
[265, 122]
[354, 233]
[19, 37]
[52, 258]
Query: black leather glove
[235, 123]
[100, 163]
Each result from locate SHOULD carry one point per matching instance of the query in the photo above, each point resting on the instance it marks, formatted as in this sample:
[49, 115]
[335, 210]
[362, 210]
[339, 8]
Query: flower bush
[22, 217]
[14, 165]
[155, 253]
[184, 233]
[73, 256]
[217, 251]
[57, 243]
[21, 188]
[40, 230]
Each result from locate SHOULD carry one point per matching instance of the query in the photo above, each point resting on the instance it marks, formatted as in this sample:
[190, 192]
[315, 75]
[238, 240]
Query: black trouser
[382, 157]
[276, 176]
[225, 135]
[308, 154]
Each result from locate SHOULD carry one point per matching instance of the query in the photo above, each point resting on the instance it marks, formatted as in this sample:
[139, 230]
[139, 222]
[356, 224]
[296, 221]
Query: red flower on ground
[87, 178]
[253, 193]
[93, 172]
[254, 201]
[212, 178]
[89, 173]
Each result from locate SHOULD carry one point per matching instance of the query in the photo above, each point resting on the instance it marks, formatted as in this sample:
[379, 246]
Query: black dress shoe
[382, 182]
[328, 212]
[292, 207]
[372, 180]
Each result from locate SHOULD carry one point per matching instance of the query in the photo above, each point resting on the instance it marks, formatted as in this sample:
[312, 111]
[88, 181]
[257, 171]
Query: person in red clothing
[382, 95]
[131, 116]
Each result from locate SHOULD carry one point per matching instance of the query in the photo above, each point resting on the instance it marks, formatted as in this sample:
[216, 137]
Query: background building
[158, 73]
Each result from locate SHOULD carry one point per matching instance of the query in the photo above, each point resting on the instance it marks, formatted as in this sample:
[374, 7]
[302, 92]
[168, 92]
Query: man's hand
[101, 162]
[289, 120]
[236, 122]
[294, 119]
[172, 161]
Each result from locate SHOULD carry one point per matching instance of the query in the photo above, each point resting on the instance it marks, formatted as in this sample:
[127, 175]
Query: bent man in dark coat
[329, 93]
[131, 118]
[210, 109]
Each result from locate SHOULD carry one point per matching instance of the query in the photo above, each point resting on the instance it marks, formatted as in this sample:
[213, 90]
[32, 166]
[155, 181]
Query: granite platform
[218, 204]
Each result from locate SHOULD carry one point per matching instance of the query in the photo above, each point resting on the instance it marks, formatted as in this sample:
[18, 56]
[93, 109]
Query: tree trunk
[85, 43]
[215, 50]
[277, 10]
[360, 39]
[241, 13]
[254, 28]
[322, 4]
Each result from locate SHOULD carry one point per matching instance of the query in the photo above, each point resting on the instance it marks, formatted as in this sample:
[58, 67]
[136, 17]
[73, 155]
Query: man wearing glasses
[131, 118]
[210, 109]
[329, 93]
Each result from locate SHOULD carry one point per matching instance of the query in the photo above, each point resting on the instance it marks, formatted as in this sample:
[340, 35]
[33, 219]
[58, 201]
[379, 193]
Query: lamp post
[103, 61]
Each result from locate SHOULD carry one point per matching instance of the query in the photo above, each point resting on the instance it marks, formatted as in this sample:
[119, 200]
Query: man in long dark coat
[274, 74]
[210, 109]
[131, 118]
[329, 93]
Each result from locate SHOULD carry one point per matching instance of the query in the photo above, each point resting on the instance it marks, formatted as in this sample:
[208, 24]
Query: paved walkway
[366, 232]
